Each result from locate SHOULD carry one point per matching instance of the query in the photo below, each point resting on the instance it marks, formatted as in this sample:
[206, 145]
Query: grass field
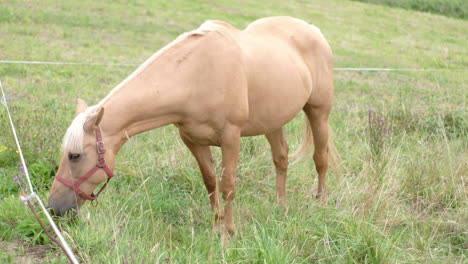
[402, 136]
[451, 8]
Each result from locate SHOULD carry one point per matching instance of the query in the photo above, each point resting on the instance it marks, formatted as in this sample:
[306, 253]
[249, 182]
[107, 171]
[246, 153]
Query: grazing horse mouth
[61, 211]
[63, 204]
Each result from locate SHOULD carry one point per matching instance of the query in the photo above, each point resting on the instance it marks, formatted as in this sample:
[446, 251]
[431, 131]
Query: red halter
[101, 164]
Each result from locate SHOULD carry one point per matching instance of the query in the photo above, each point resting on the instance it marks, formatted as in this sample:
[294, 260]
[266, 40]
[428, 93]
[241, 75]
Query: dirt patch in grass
[18, 251]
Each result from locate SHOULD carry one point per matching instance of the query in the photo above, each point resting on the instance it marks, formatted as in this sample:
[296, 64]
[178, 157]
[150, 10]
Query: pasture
[450, 8]
[401, 195]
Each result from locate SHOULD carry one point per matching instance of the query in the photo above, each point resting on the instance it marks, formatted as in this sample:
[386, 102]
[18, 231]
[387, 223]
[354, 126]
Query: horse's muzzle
[59, 210]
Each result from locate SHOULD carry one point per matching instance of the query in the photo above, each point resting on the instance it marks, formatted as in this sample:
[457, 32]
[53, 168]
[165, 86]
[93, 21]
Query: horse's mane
[73, 139]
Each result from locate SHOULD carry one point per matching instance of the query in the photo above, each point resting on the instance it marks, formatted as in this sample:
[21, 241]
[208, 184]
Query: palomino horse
[216, 84]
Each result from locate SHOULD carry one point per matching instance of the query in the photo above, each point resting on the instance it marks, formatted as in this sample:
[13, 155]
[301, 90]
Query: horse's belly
[276, 96]
[268, 121]
[274, 105]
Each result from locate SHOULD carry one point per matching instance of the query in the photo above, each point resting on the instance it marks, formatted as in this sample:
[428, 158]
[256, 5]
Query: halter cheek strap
[100, 164]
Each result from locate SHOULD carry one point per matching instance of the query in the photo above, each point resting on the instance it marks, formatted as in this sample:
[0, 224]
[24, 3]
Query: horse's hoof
[226, 237]
[216, 228]
[322, 198]
[283, 203]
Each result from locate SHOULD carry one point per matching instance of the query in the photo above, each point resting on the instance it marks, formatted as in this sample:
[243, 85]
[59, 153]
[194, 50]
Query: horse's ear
[80, 106]
[94, 119]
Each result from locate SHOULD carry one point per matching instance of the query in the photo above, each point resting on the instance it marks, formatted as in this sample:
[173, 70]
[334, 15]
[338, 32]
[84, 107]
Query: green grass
[402, 193]
[451, 8]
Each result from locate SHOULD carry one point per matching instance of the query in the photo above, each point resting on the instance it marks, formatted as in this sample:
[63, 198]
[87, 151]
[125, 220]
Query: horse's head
[85, 163]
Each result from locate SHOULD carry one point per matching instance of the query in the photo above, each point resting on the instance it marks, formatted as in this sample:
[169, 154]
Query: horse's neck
[150, 97]
[144, 103]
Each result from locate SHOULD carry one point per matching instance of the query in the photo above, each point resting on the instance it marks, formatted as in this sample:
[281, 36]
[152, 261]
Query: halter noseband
[101, 164]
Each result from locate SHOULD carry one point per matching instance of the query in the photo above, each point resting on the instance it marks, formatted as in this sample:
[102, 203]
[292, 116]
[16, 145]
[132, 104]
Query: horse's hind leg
[318, 119]
[203, 156]
[279, 151]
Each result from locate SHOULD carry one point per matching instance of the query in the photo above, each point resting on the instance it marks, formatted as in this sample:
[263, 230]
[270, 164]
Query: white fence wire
[134, 65]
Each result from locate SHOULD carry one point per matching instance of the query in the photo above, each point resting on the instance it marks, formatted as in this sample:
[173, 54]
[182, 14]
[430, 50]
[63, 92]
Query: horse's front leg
[203, 156]
[230, 148]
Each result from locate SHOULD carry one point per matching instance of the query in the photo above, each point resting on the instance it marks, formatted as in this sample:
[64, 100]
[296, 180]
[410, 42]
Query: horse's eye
[73, 156]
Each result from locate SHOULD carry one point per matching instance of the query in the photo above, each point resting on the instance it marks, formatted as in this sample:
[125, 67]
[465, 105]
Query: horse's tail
[307, 146]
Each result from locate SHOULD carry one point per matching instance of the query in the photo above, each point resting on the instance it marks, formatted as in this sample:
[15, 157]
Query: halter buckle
[101, 149]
